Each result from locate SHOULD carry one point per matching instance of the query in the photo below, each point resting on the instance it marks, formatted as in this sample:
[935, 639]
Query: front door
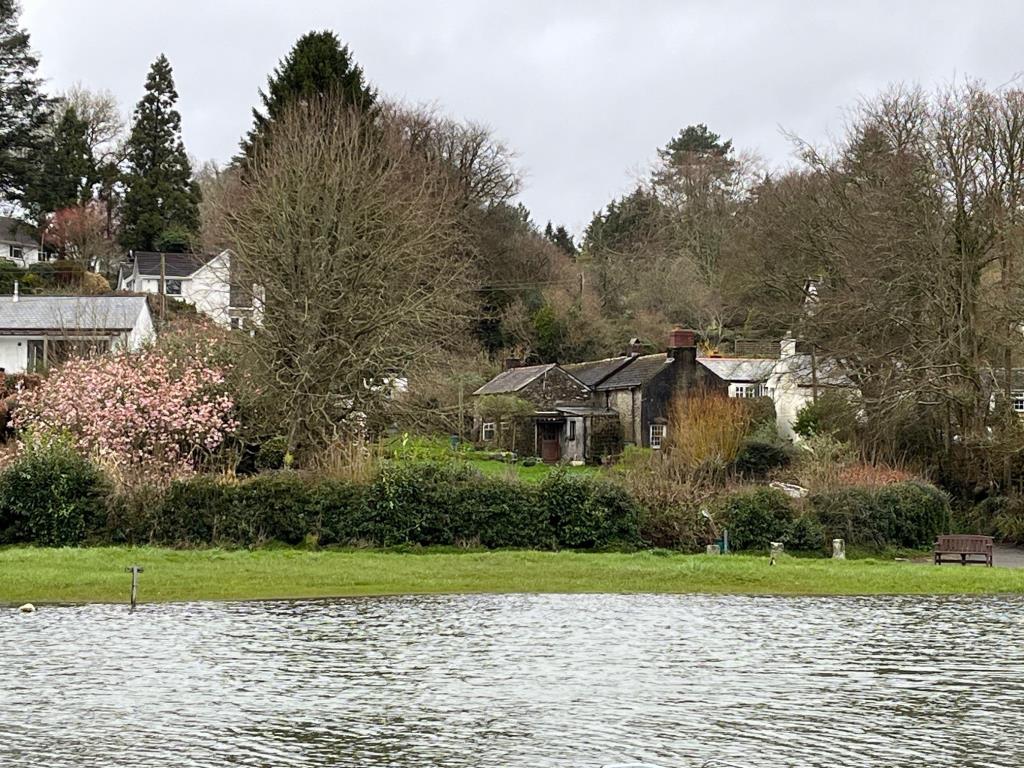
[550, 442]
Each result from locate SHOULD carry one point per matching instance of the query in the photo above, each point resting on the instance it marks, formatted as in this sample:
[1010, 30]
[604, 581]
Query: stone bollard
[838, 549]
[712, 549]
[776, 550]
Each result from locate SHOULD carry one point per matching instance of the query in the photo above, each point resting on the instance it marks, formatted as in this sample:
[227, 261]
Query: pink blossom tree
[145, 413]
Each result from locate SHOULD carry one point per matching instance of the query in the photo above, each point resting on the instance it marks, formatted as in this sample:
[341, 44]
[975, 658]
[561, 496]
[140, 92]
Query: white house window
[173, 287]
[1017, 401]
[17, 253]
[487, 431]
[657, 435]
[749, 390]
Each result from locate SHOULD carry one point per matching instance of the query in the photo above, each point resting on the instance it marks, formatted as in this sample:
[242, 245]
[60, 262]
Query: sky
[584, 92]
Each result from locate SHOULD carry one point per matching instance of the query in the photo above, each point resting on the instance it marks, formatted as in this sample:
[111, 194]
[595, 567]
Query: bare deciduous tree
[352, 236]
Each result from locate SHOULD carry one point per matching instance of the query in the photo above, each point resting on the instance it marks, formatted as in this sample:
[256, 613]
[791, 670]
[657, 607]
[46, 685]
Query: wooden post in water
[135, 570]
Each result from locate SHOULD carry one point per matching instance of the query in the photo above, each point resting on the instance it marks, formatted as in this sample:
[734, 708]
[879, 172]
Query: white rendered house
[201, 280]
[17, 243]
[37, 332]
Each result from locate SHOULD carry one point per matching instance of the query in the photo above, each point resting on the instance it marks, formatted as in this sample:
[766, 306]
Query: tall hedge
[908, 514]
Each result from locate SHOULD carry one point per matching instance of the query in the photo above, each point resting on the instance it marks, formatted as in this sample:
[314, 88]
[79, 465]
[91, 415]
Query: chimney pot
[633, 348]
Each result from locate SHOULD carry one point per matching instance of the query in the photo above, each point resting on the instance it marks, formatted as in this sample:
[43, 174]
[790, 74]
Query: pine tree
[318, 64]
[68, 169]
[24, 110]
[161, 203]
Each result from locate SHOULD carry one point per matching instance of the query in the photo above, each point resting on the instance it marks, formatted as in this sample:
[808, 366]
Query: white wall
[30, 254]
[142, 332]
[13, 354]
[210, 289]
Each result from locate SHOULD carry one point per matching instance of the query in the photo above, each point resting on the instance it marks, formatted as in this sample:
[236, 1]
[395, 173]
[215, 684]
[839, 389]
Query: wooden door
[550, 442]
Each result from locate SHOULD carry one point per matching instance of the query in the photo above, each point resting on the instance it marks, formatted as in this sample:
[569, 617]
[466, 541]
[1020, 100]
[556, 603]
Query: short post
[725, 541]
[776, 550]
[135, 570]
[838, 549]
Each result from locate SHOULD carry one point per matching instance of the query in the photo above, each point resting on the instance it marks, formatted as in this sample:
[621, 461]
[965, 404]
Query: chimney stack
[681, 338]
[15, 297]
[682, 351]
[634, 347]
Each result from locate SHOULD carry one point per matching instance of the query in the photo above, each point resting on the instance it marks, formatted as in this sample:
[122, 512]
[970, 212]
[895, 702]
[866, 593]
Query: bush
[589, 514]
[197, 511]
[756, 518]
[274, 506]
[902, 515]
[271, 454]
[50, 494]
[757, 459]
[339, 511]
[832, 414]
[1001, 517]
[502, 514]
[805, 534]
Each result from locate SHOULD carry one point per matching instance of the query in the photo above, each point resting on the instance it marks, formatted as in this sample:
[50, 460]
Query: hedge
[425, 504]
[908, 514]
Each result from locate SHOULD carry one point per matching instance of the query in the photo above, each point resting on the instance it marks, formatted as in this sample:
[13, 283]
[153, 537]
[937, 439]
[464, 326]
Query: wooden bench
[964, 549]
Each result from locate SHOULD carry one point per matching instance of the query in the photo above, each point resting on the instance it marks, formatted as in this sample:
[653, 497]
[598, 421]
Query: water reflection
[517, 680]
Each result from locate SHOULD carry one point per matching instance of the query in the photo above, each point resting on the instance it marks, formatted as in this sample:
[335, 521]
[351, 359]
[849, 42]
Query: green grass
[534, 474]
[97, 574]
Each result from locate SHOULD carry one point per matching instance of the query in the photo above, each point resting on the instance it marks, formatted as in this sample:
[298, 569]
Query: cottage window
[749, 390]
[17, 253]
[172, 287]
[1017, 401]
[487, 431]
[657, 435]
[572, 429]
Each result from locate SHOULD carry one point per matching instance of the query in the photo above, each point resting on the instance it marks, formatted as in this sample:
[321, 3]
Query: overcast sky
[584, 91]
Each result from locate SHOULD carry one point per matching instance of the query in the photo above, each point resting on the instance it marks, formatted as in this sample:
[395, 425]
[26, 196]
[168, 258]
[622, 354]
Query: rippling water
[519, 680]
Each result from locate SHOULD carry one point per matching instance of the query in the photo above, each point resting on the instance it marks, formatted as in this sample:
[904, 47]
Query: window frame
[168, 290]
[656, 440]
[571, 430]
[1015, 399]
[488, 427]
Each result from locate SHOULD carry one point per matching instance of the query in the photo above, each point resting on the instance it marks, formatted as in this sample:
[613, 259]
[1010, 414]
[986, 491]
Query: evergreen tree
[317, 64]
[68, 169]
[161, 200]
[560, 236]
[24, 110]
[695, 140]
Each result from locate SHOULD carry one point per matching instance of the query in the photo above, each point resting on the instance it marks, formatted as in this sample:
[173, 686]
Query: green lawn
[97, 574]
[533, 474]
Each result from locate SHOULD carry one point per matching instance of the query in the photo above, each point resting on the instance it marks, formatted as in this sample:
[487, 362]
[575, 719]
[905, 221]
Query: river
[513, 681]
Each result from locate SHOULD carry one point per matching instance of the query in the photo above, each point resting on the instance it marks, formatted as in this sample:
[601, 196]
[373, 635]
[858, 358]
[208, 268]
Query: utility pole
[163, 291]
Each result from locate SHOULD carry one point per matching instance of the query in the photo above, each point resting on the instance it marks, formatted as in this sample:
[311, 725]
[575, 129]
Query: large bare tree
[351, 236]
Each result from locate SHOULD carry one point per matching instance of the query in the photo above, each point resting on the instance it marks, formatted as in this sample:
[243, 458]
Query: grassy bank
[96, 575]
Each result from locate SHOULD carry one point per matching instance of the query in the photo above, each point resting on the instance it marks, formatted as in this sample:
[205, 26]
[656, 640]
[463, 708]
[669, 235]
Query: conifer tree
[68, 169]
[24, 110]
[318, 64]
[161, 202]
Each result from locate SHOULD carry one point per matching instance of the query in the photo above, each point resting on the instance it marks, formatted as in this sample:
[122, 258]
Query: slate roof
[69, 313]
[175, 264]
[514, 379]
[17, 232]
[593, 372]
[739, 368]
[828, 373]
[641, 370]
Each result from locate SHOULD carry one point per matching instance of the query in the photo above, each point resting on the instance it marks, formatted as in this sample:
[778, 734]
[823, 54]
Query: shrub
[831, 414]
[589, 514]
[502, 514]
[196, 511]
[271, 454]
[757, 459]
[706, 432]
[50, 494]
[902, 515]
[339, 511]
[756, 518]
[805, 534]
[414, 504]
[274, 506]
[135, 412]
